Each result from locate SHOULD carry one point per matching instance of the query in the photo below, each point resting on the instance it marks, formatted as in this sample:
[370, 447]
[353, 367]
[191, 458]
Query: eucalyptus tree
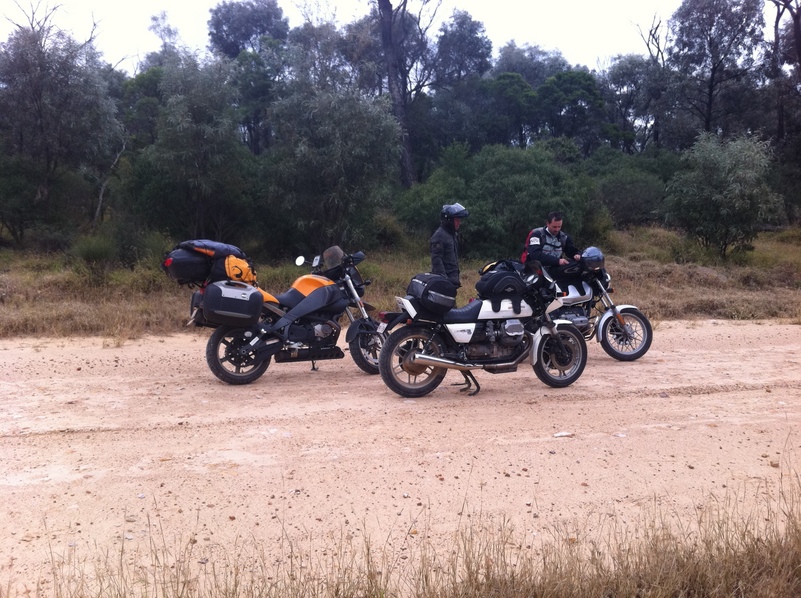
[463, 50]
[784, 76]
[335, 148]
[409, 62]
[722, 198]
[623, 87]
[793, 8]
[570, 105]
[461, 114]
[253, 34]
[56, 117]
[510, 120]
[715, 50]
[194, 179]
[533, 63]
[507, 190]
[249, 25]
[640, 97]
[361, 47]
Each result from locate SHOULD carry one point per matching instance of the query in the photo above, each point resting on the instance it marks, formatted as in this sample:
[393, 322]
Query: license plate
[381, 327]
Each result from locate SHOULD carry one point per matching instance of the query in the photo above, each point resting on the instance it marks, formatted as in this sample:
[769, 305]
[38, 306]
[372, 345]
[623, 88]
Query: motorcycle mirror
[300, 260]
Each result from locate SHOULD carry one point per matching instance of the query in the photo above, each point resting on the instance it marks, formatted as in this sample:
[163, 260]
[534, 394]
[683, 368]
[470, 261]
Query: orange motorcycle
[254, 327]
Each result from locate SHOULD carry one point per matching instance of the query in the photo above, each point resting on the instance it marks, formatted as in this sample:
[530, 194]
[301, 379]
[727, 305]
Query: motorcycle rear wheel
[229, 358]
[631, 342]
[365, 349]
[557, 370]
[399, 373]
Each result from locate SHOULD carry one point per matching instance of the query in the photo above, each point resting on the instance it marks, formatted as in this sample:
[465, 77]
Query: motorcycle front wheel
[365, 349]
[628, 340]
[231, 359]
[558, 368]
[398, 370]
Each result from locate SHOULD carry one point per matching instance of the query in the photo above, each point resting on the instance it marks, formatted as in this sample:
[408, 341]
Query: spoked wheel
[399, 370]
[231, 359]
[627, 340]
[557, 367]
[365, 349]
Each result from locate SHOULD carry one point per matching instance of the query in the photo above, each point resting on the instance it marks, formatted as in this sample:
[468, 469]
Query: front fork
[356, 299]
[548, 322]
[609, 305]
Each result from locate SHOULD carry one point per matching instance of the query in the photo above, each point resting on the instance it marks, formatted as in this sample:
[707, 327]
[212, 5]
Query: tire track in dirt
[108, 446]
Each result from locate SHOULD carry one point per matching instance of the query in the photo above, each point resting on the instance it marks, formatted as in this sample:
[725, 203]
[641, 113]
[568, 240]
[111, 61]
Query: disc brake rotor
[562, 360]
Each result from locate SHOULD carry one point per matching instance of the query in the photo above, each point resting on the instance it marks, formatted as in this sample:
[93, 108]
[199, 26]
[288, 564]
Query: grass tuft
[55, 295]
[745, 543]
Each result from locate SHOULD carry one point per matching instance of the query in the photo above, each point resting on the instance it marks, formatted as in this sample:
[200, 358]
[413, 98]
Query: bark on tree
[386, 16]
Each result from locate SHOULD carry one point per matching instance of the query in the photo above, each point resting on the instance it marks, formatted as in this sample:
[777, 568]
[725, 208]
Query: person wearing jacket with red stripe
[549, 244]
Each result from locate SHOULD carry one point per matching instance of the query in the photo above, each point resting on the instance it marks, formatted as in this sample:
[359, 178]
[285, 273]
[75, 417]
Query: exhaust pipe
[439, 362]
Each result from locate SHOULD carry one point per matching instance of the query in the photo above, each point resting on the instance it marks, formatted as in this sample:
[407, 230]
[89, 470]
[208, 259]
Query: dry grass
[51, 296]
[729, 550]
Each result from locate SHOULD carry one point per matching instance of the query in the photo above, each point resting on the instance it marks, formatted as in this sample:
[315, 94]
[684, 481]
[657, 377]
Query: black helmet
[451, 211]
[593, 258]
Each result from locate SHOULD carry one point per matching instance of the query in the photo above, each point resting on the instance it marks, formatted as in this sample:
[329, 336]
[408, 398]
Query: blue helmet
[593, 258]
[451, 211]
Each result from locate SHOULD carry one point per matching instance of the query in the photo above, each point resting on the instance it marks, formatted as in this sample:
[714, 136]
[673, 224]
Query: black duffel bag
[501, 280]
[436, 293]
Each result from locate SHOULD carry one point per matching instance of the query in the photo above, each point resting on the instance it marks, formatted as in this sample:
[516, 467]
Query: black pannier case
[436, 293]
[230, 303]
[187, 266]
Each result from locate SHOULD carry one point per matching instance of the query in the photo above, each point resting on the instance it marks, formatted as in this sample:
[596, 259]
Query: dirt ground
[104, 445]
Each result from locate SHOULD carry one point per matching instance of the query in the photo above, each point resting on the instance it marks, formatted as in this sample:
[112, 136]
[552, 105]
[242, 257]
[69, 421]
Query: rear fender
[391, 319]
[360, 326]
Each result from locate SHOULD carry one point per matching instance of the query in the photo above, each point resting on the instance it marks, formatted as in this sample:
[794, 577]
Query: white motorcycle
[584, 288]
[510, 324]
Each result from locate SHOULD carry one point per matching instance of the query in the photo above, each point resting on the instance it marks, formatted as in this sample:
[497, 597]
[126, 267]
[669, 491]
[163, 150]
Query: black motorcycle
[254, 327]
[510, 323]
[585, 287]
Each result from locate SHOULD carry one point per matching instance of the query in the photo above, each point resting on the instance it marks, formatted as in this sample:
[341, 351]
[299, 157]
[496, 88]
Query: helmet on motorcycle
[593, 258]
[451, 211]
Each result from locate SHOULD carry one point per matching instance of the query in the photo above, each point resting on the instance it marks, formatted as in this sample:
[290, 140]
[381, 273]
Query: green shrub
[98, 254]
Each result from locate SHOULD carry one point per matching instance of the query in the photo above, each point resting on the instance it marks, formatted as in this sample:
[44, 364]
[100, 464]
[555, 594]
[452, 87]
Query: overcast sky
[587, 32]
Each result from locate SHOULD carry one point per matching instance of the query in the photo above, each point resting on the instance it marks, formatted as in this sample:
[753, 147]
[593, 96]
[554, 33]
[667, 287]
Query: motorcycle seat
[290, 299]
[571, 270]
[467, 313]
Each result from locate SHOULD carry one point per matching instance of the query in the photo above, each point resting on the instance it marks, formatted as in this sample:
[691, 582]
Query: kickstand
[314, 366]
[469, 380]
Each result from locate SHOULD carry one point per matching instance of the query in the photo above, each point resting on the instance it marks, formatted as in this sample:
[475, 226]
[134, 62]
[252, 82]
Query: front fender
[358, 327]
[609, 314]
[538, 337]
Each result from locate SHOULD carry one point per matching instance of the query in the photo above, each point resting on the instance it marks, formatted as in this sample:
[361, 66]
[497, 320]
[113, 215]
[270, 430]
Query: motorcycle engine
[497, 339]
[576, 315]
[313, 333]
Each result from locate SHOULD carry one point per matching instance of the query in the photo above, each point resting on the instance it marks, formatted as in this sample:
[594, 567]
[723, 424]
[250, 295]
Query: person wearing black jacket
[444, 243]
[549, 244]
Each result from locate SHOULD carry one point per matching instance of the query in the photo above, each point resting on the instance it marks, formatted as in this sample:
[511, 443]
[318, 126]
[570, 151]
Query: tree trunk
[794, 8]
[408, 177]
[103, 186]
